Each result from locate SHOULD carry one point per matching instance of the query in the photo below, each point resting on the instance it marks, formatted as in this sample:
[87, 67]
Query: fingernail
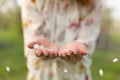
[64, 55]
[74, 53]
[38, 54]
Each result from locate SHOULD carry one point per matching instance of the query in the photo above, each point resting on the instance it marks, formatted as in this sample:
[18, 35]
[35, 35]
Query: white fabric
[52, 19]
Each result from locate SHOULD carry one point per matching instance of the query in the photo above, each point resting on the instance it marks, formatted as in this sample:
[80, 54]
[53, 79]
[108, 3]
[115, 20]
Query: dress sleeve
[90, 27]
[32, 22]
[89, 32]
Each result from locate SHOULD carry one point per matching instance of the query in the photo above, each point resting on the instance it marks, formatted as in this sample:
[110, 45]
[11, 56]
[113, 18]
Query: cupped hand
[72, 52]
[50, 50]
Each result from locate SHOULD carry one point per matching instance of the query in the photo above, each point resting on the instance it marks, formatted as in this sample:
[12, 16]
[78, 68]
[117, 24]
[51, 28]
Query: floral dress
[61, 21]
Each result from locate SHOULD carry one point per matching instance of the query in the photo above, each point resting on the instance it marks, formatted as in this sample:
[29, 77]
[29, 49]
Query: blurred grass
[11, 54]
[103, 59]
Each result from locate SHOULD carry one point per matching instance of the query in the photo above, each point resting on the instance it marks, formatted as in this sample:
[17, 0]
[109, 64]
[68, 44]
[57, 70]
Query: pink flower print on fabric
[51, 74]
[86, 77]
[89, 21]
[66, 5]
[73, 25]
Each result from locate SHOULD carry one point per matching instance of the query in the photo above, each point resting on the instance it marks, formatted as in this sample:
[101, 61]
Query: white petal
[36, 46]
[65, 70]
[7, 68]
[101, 73]
[115, 60]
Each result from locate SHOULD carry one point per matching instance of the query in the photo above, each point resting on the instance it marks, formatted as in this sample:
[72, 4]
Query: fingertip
[38, 52]
[31, 45]
[45, 52]
[53, 53]
[84, 52]
[62, 53]
[59, 53]
[69, 52]
[56, 53]
[75, 51]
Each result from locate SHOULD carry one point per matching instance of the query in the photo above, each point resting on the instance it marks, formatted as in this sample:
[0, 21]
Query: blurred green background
[11, 45]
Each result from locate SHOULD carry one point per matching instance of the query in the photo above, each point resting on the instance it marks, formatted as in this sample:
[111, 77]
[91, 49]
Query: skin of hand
[50, 52]
[72, 52]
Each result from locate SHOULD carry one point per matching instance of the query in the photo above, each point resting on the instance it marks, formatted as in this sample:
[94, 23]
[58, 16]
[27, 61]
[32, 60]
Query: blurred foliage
[10, 25]
[2, 2]
[107, 23]
[11, 45]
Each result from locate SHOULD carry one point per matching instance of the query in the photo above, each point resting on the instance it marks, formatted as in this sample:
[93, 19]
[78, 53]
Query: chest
[67, 10]
[62, 18]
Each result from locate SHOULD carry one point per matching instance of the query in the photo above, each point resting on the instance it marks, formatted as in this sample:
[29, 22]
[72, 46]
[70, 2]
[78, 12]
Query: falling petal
[36, 46]
[115, 60]
[7, 68]
[101, 72]
[65, 70]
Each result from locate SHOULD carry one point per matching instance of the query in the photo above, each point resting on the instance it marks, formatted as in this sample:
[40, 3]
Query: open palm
[50, 50]
[72, 52]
